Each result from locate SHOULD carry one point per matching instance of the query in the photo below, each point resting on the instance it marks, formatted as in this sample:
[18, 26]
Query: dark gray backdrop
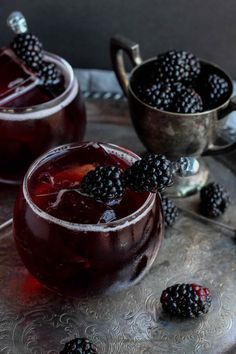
[79, 30]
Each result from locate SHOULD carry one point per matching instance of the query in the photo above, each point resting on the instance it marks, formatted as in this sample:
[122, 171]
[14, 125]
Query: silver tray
[35, 321]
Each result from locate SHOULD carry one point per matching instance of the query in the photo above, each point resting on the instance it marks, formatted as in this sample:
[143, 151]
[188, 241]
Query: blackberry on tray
[214, 200]
[186, 300]
[79, 346]
[170, 211]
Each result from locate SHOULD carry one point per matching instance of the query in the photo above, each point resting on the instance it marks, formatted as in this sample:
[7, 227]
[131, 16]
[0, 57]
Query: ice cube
[107, 216]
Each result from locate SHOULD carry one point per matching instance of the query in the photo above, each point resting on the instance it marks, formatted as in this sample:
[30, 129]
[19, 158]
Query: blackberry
[214, 200]
[188, 101]
[176, 66]
[79, 346]
[29, 49]
[186, 300]
[216, 90]
[152, 173]
[49, 74]
[104, 183]
[170, 211]
[159, 95]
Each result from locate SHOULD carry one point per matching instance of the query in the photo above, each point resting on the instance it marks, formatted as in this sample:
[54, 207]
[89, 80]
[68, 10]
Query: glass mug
[80, 259]
[25, 133]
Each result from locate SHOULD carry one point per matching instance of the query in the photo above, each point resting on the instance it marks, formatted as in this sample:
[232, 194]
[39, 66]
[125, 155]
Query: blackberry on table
[177, 66]
[214, 200]
[170, 211]
[49, 74]
[29, 49]
[154, 172]
[186, 300]
[104, 183]
[188, 101]
[79, 346]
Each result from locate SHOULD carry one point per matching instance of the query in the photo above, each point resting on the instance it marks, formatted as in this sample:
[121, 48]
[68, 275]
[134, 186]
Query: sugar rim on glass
[42, 110]
[105, 227]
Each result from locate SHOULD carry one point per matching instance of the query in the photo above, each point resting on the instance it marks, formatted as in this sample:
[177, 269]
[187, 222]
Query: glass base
[185, 186]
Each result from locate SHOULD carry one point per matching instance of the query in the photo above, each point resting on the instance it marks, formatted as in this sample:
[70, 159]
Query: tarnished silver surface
[35, 321]
[190, 184]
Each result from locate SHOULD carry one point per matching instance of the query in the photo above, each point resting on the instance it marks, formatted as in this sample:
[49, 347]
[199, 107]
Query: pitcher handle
[118, 46]
[218, 149]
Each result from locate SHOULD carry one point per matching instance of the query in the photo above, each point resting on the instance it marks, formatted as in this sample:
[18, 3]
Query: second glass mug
[25, 133]
[83, 259]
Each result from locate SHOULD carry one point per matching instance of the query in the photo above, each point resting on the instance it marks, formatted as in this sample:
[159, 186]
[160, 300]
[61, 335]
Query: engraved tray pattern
[34, 320]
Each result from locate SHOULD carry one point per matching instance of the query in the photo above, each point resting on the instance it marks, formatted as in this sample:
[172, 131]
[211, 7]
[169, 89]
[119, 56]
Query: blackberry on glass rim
[29, 49]
[154, 172]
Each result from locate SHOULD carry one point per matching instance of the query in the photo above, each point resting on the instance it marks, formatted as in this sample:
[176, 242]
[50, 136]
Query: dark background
[79, 30]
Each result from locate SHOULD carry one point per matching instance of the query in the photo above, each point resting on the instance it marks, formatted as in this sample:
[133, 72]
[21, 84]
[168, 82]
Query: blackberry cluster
[29, 49]
[177, 83]
[177, 66]
[170, 211]
[154, 172]
[104, 183]
[79, 346]
[214, 200]
[171, 97]
[186, 300]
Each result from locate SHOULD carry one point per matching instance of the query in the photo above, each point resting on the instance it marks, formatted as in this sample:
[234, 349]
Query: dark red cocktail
[75, 244]
[34, 118]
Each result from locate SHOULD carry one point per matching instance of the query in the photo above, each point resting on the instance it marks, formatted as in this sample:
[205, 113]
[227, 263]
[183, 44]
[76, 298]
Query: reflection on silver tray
[34, 320]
